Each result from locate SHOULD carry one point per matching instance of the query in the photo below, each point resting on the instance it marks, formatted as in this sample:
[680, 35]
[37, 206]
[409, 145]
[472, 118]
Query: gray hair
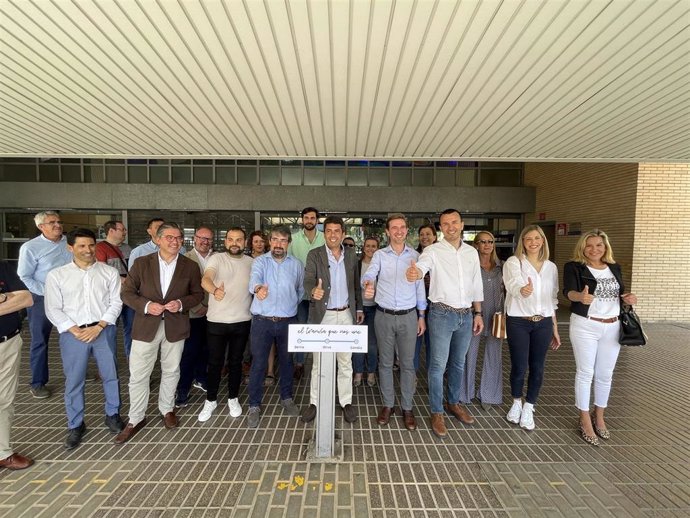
[40, 218]
[159, 232]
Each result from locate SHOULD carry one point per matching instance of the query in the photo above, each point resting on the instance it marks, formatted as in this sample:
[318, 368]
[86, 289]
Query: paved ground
[221, 468]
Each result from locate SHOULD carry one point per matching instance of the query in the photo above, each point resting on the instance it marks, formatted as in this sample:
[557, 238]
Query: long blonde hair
[494, 257]
[520, 248]
[579, 252]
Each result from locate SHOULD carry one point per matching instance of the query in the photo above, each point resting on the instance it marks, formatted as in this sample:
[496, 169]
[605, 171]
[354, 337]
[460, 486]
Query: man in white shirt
[195, 354]
[82, 300]
[456, 294]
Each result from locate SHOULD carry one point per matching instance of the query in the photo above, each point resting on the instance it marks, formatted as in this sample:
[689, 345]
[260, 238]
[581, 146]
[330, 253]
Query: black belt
[339, 309]
[460, 311]
[11, 335]
[84, 326]
[274, 319]
[394, 312]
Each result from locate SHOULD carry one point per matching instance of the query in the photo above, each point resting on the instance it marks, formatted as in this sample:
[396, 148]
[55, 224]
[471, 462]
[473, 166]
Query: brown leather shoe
[438, 426]
[460, 412]
[385, 415]
[16, 461]
[409, 420]
[128, 432]
[170, 420]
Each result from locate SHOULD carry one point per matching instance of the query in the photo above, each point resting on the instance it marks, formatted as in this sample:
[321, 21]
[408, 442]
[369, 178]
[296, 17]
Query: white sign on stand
[320, 339]
[324, 339]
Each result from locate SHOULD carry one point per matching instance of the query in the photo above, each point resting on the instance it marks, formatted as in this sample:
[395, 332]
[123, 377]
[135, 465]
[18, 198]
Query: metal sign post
[325, 413]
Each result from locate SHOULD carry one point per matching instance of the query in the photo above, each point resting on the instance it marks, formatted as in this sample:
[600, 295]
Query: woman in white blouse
[531, 282]
[593, 283]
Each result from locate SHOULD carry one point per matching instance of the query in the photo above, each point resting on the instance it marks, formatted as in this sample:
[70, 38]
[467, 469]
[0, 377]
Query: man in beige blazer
[161, 288]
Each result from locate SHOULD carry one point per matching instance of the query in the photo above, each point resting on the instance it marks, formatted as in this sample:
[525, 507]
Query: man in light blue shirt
[307, 239]
[37, 257]
[276, 281]
[399, 320]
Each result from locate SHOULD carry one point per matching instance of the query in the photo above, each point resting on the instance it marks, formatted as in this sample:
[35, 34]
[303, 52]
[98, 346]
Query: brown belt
[273, 319]
[446, 307]
[339, 309]
[534, 318]
[604, 320]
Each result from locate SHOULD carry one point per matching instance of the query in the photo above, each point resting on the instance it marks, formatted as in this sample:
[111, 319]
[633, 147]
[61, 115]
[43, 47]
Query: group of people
[199, 309]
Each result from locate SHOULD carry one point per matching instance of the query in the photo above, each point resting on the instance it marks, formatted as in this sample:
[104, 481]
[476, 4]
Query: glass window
[71, 173]
[269, 175]
[19, 172]
[401, 177]
[378, 177]
[202, 162]
[114, 161]
[445, 178]
[358, 163]
[423, 177]
[291, 175]
[49, 173]
[499, 177]
[94, 172]
[398, 164]
[313, 163]
[226, 175]
[246, 162]
[203, 175]
[357, 177]
[335, 176]
[225, 162]
[139, 173]
[335, 163]
[159, 174]
[465, 178]
[115, 174]
[246, 175]
[181, 174]
[313, 176]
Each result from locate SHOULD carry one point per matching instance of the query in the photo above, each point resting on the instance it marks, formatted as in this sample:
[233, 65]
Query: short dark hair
[153, 220]
[449, 211]
[307, 210]
[282, 230]
[259, 233]
[334, 220]
[166, 226]
[72, 235]
[110, 225]
[236, 229]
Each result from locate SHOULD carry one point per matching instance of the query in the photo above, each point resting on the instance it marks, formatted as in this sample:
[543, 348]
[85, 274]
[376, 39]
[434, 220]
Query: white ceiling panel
[391, 79]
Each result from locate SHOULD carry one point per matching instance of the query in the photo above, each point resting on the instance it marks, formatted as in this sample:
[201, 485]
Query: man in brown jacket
[161, 288]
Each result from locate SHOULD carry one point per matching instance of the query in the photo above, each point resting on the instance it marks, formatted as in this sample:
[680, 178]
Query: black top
[576, 276]
[9, 281]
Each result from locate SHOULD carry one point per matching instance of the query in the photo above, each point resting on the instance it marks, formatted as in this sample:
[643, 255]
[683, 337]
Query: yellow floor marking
[328, 486]
[283, 485]
[299, 480]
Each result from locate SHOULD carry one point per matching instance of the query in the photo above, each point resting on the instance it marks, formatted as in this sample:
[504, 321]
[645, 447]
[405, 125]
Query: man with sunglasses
[37, 257]
[161, 288]
[195, 354]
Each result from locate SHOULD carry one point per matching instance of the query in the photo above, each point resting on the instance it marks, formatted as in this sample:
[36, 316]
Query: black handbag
[631, 329]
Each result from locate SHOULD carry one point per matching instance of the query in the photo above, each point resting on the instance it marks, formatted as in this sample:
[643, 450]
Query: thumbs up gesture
[369, 289]
[413, 274]
[219, 292]
[586, 297]
[317, 292]
[262, 291]
[527, 289]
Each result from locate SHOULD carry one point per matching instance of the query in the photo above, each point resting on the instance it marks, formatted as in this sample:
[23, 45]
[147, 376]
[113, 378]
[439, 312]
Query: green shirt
[300, 245]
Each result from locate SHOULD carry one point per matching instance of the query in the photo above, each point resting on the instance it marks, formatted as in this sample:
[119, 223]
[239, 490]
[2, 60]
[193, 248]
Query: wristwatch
[475, 313]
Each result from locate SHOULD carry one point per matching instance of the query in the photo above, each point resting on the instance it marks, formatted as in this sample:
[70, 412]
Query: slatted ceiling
[380, 79]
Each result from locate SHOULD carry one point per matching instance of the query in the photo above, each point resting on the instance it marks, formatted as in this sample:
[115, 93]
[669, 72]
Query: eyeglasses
[485, 242]
[170, 239]
[204, 239]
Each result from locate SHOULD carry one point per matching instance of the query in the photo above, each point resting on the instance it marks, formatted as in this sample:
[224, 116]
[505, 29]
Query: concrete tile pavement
[222, 468]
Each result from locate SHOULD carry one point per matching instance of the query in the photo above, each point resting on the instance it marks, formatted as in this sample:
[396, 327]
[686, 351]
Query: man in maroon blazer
[161, 288]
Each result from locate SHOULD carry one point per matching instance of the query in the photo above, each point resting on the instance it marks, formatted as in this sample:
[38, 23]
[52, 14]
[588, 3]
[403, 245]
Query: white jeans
[344, 379]
[596, 348]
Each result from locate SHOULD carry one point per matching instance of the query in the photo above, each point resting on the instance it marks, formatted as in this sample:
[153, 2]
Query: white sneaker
[515, 412]
[207, 411]
[235, 407]
[527, 417]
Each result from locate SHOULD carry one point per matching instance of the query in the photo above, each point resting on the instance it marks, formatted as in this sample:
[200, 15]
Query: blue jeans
[372, 354]
[302, 317]
[194, 358]
[127, 319]
[263, 333]
[75, 356]
[450, 338]
[528, 343]
[40, 328]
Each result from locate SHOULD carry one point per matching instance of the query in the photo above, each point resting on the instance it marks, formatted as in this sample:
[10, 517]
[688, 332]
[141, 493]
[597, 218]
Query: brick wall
[645, 210]
[661, 263]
